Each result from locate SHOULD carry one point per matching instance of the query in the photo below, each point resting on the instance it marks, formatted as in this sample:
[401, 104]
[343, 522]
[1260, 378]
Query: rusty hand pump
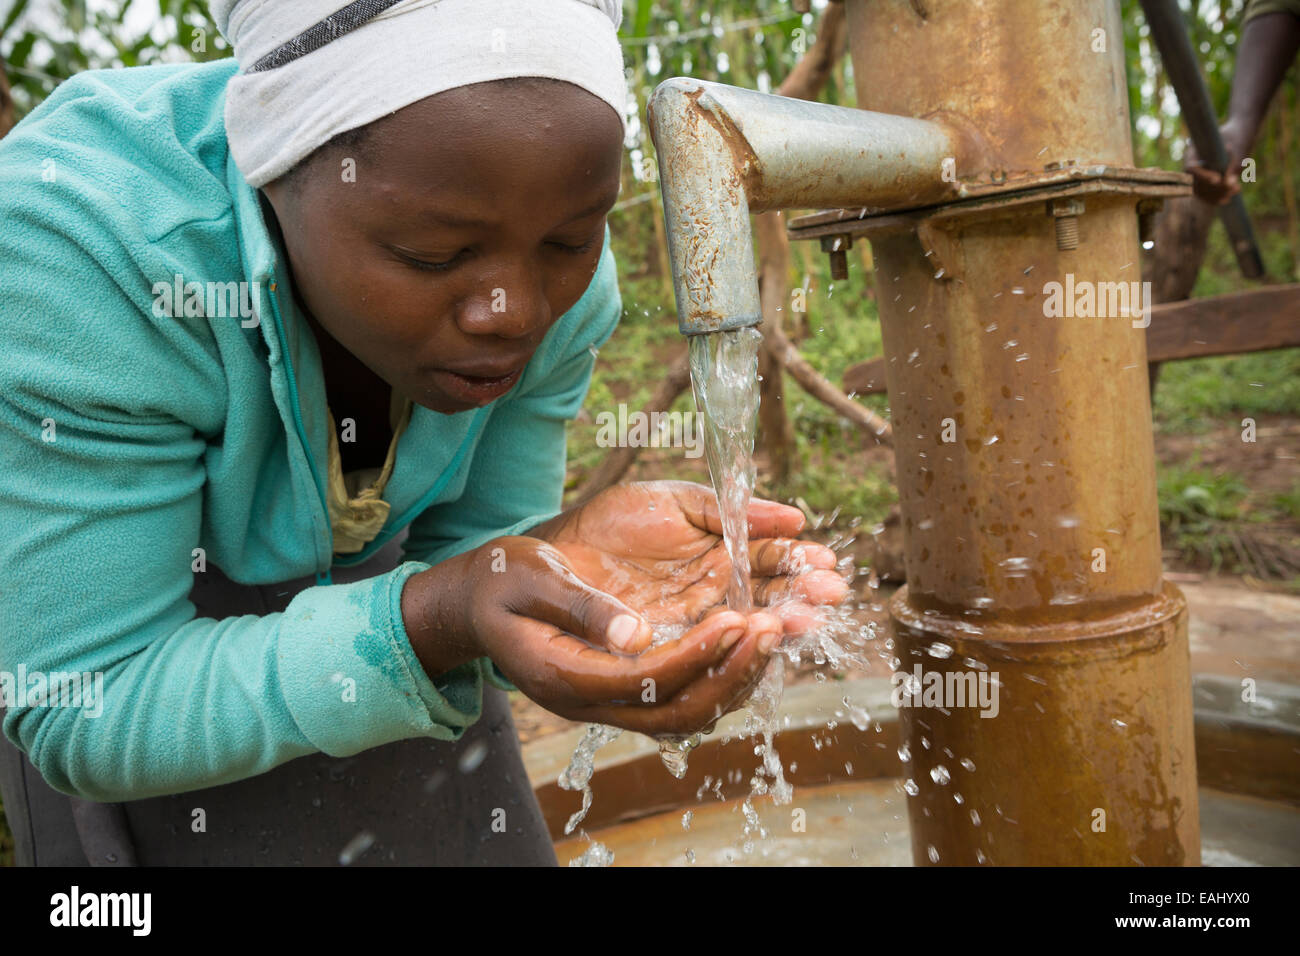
[991, 168]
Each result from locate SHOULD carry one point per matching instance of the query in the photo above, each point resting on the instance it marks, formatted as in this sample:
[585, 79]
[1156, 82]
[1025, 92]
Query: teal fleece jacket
[129, 439]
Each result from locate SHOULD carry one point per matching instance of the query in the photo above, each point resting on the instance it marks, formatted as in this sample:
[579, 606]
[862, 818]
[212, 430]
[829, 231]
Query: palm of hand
[638, 545]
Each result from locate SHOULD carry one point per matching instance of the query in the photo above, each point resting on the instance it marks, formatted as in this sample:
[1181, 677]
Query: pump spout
[725, 152]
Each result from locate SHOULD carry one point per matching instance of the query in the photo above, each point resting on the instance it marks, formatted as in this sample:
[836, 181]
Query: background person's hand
[1210, 186]
[657, 546]
[566, 644]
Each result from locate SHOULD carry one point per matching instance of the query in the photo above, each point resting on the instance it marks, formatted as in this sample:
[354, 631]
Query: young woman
[287, 346]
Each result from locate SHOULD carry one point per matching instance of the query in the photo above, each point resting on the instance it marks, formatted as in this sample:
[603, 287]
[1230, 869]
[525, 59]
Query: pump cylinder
[1017, 378]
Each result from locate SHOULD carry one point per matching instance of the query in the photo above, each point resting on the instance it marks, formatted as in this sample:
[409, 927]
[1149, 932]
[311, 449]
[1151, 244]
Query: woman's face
[475, 220]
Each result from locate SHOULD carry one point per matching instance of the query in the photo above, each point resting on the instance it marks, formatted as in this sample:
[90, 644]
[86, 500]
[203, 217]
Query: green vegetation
[1198, 394]
[1287, 503]
[1197, 511]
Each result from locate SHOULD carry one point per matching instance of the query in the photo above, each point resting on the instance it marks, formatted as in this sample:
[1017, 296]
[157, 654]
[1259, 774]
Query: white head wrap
[284, 103]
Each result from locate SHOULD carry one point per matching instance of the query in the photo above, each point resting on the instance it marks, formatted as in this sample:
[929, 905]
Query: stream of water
[724, 374]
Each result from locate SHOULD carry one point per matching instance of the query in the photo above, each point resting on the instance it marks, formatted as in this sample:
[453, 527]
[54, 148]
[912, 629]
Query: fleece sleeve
[105, 414]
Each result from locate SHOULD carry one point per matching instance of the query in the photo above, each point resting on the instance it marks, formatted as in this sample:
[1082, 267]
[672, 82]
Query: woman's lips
[474, 389]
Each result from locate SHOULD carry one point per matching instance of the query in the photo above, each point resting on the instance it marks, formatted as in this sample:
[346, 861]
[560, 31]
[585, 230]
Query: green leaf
[641, 21]
[15, 12]
[22, 49]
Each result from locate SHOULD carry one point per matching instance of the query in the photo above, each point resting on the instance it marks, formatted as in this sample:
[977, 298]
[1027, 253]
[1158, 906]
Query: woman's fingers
[769, 557]
[771, 519]
[767, 519]
[798, 617]
[814, 587]
[580, 675]
[715, 691]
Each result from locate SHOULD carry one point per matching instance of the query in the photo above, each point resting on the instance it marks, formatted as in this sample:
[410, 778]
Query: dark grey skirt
[413, 802]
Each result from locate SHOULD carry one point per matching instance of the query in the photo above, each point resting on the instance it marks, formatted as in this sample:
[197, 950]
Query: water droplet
[932, 853]
[975, 816]
[473, 756]
[904, 753]
[1016, 567]
[358, 845]
[858, 715]
[596, 855]
[686, 819]
[910, 786]
[939, 774]
[969, 764]
[939, 650]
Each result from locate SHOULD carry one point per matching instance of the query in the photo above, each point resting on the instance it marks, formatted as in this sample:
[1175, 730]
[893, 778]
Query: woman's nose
[513, 306]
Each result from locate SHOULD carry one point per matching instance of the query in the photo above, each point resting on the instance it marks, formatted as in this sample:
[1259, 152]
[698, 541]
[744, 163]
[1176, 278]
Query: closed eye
[576, 250]
[427, 265]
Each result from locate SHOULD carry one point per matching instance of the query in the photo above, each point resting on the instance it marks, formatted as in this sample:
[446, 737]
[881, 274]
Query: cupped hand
[658, 548]
[561, 641]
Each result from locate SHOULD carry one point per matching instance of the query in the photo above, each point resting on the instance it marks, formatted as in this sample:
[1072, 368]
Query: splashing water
[675, 753]
[577, 776]
[596, 855]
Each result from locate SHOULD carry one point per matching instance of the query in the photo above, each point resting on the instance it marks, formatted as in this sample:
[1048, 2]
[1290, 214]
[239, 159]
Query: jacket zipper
[322, 577]
[325, 577]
